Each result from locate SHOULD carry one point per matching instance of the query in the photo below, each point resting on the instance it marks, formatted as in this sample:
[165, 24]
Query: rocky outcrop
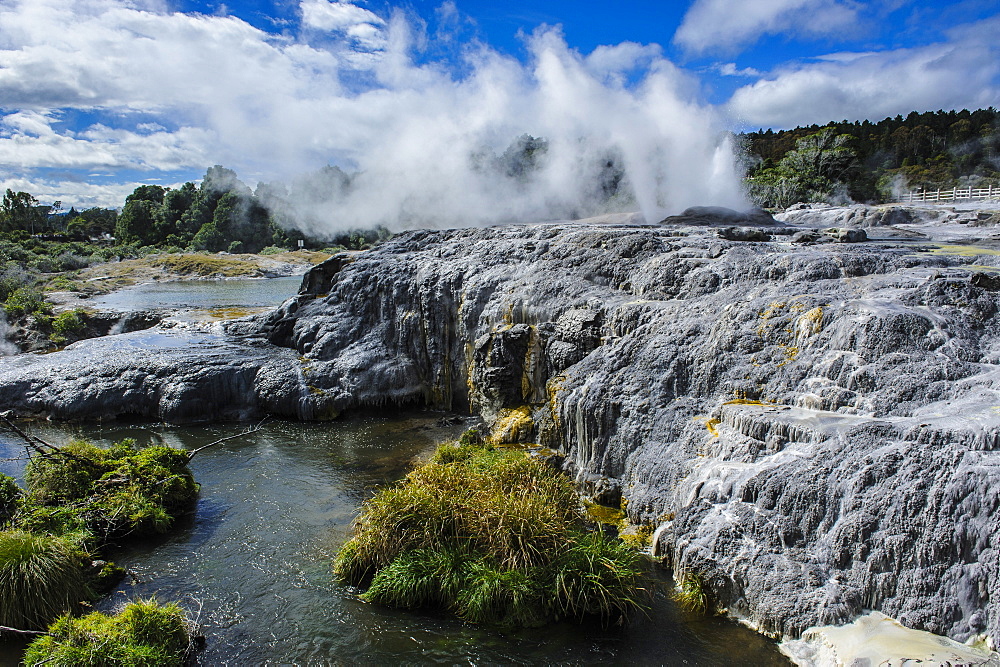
[813, 428]
[852, 216]
[719, 215]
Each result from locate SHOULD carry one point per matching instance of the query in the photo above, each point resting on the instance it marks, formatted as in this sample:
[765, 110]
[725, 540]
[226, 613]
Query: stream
[253, 561]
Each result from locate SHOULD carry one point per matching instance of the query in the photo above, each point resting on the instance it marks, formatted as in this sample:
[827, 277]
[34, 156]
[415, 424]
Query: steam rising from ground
[419, 119]
[423, 151]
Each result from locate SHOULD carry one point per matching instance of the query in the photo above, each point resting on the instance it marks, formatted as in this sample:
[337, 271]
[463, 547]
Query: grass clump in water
[693, 594]
[492, 536]
[143, 633]
[109, 493]
[41, 576]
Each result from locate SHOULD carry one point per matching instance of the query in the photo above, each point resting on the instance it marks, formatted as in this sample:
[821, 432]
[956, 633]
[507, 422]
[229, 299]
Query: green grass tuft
[41, 577]
[491, 535]
[503, 597]
[597, 575]
[144, 633]
[693, 595]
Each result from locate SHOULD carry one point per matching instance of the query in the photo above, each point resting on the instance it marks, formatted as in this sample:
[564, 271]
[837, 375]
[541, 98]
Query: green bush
[272, 250]
[10, 494]
[144, 633]
[41, 577]
[109, 493]
[24, 301]
[68, 321]
[492, 536]
[12, 278]
[70, 261]
[62, 284]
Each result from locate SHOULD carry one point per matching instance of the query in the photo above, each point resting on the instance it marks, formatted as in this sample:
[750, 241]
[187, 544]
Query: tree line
[219, 214]
[871, 162]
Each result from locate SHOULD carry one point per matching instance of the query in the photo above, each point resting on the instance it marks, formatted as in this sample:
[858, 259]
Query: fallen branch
[4, 628]
[34, 442]
[39, 445]
[252, 429]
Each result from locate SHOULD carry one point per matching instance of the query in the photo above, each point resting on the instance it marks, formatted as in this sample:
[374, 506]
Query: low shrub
[70, 261]
[78, 498]
[68, 321]
[10, 494]
[24, 301]
[12, 278]
[492, 536]
[41, 577]
[143, 633]
[109, 493]
[62, 283]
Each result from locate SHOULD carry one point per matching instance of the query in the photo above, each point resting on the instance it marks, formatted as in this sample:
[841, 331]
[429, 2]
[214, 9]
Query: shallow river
[253, 562]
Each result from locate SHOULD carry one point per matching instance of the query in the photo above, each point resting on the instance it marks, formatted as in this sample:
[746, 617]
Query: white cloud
[28, 122]
[963, 72]
[622, 58]
[730, 69]
[27, 140]
[363, 28]
[725, 26]
[75, 193]
[270, 106]
[326, 15]
[844, 56]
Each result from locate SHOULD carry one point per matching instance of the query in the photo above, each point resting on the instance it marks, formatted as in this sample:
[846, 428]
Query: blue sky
[99, 95]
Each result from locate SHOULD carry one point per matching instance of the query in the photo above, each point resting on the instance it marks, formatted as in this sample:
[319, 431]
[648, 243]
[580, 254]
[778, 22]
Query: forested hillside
[865, 161]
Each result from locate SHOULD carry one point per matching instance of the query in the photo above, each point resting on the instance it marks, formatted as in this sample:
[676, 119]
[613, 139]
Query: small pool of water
[236, 295]
[253, 562]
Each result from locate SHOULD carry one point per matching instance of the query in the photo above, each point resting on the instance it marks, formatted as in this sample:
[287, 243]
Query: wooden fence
[954, 194]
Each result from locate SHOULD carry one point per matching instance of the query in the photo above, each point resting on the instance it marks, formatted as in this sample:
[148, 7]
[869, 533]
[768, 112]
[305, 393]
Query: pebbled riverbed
[254, 560]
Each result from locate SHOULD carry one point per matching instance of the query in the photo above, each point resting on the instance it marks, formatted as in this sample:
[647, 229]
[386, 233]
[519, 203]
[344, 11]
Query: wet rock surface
[814, 428]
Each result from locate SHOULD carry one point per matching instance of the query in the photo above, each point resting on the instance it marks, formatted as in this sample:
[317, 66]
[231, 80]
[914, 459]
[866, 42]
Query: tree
[150, 193]
[137, 223]
[824, 155]
[523, 157]
[20, 210]
[813, 171]
[209, 238]
[220, 180]
[100, 220]
[175, 204]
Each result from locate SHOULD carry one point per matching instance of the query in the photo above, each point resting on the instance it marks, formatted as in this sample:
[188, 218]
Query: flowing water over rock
[274, 507]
